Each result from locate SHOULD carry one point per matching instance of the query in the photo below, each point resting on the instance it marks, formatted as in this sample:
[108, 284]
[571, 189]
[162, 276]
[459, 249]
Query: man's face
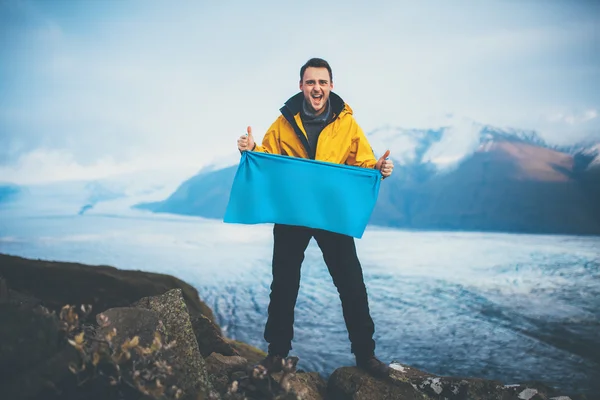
[316, 87]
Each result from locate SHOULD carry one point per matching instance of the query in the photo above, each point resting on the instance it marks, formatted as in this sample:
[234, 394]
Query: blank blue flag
[270, 188]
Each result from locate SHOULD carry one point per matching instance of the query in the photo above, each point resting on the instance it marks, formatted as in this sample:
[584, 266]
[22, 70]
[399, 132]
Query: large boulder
[10, 296]
[50, 379]
[307, 385]
[226, 371]
[128, 322]
[27, 336]
[4, 293]
[406, 383]
[209, 338]
[349, 383]
[253, 354]
[34, 357]
[235, 378]
[220, 369]
[40, 365]
[187, 362]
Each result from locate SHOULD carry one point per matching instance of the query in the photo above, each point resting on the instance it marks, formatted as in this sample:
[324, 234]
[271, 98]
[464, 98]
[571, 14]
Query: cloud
[568, 126]
[43, 165]
[121, 83]
[572, 118]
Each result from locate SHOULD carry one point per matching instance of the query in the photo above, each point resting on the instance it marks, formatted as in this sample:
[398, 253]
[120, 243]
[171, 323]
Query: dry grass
[129, 364]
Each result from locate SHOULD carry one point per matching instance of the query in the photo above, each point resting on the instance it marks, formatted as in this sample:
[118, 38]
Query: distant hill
[473, 178]
[205, 194]
[504, 186]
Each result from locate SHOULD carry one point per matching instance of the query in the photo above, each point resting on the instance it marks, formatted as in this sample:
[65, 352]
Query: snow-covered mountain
[440, 148]
[445, 147]
[464, 175]
[586, 154]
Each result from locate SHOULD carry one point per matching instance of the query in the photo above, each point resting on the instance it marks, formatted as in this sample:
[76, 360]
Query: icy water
[498, 306]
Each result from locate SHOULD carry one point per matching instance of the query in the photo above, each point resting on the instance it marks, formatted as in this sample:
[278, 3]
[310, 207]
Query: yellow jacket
[341, 141]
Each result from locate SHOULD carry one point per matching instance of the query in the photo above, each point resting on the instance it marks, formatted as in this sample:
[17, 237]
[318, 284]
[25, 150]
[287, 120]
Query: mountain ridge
[468, 177]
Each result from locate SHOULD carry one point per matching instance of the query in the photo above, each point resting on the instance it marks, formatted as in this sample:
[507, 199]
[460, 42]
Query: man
[317, 124]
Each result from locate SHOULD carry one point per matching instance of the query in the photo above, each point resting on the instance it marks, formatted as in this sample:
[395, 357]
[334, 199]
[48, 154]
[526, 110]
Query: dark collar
[294, 104]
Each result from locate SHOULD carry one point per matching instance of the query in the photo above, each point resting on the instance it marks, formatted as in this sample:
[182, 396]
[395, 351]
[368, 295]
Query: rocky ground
[71, 331]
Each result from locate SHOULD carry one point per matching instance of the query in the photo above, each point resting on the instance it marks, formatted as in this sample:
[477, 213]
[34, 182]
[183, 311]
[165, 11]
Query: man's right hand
[246, 142]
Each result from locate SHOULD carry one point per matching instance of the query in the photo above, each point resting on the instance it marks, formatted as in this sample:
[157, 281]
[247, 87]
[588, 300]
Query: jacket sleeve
[361, 153]
[270, 143]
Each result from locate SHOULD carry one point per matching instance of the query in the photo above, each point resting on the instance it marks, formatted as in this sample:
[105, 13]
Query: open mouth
[317, 97]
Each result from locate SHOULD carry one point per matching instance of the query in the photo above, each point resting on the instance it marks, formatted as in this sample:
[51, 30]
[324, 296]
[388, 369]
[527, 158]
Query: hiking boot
[272, 363]
[373, 366]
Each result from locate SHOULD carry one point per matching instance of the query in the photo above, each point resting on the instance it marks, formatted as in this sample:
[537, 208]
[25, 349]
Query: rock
[209, 338]
[22, 300]
[238, 375]
[307, 385]
[208, 334]
[4, 296]
[59, 283]
[27, 336]
[354, 384]
[52, 379]
[252, 382]
[187, 362]
[129, 322]
[9, 296]
[409, 383]
[48, 380]
[220, 369]
[35, 359]
[454, 388]
[253, 354]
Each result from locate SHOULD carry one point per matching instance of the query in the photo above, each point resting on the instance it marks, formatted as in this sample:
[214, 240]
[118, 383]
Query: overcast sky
[101, 86]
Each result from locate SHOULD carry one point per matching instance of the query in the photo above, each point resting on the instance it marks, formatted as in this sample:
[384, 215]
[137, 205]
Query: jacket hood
[294, 104]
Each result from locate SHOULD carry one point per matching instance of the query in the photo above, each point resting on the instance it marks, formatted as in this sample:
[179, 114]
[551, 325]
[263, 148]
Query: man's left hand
[384, 165]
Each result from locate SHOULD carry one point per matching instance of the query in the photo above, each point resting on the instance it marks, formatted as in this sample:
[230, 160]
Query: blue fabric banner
[271, 188]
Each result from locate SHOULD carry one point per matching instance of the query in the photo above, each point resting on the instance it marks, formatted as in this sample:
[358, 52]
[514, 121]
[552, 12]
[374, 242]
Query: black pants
[339, 253]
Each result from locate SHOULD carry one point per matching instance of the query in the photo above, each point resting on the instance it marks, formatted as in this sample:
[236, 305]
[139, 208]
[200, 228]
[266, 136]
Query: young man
[318, 124]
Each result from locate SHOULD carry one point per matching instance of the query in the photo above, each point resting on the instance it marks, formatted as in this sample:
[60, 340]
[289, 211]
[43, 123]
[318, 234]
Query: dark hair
[316, 63]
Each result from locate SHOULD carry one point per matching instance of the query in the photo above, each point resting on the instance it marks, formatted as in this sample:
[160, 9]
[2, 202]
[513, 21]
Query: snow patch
[435, 383]
[594, 150]
[459, 140]
[402, 143]
[527, 394]
[398, 367]
[43, 166]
